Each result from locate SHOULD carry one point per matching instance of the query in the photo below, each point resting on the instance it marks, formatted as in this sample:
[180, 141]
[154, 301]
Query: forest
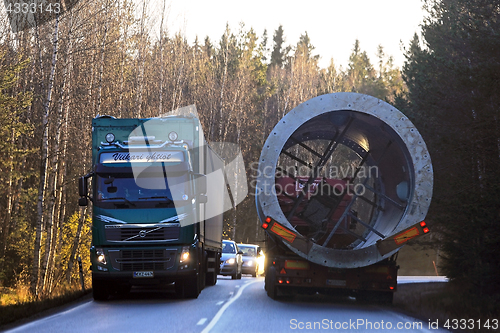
[102, 58]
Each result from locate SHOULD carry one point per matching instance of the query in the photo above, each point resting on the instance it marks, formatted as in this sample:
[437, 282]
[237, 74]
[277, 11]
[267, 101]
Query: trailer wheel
[100, 290]
[379, 297]
[385, 297]
[270, 283]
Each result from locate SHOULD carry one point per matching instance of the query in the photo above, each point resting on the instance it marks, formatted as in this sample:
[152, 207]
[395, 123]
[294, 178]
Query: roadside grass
[17, 304]
[446, 301]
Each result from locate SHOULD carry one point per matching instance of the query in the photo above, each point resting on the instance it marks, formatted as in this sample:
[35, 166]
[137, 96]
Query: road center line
[219, 303]
[201, 321]
[221, 311]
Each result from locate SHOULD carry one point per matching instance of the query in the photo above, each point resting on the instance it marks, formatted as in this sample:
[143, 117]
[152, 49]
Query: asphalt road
[229, 306]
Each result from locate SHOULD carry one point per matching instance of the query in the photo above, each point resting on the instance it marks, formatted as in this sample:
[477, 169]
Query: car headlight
[101, 258]
[230, 261]
[249, 263]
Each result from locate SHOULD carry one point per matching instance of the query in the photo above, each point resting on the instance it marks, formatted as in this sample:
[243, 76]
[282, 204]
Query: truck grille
[142, 233]
[139, 260]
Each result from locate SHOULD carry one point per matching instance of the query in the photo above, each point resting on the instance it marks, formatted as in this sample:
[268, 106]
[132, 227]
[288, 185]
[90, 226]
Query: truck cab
[148, 189]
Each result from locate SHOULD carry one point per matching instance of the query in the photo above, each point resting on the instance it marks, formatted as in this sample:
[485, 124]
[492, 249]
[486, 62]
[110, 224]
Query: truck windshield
[121, 190]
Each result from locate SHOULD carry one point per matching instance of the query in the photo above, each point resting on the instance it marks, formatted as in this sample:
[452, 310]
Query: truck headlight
[184, 254]
[101, 258]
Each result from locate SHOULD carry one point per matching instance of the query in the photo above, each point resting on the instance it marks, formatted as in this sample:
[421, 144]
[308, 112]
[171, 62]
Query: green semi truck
[155, 220]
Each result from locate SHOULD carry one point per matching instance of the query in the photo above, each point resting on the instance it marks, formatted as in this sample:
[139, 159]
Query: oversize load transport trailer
[154, 219]
[344, 181]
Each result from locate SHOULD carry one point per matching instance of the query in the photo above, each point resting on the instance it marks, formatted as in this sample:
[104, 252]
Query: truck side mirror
[82, 186]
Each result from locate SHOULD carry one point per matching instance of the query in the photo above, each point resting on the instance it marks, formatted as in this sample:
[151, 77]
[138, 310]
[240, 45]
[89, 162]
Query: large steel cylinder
[343, 171]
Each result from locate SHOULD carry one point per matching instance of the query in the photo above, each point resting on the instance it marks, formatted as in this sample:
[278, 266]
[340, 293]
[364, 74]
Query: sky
[332, 25]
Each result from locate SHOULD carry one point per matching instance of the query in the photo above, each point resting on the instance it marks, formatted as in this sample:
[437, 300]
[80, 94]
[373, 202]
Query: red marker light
[265, 225]
[268, 219]
[392, 288]
[280, 281]
[422, 224]
[426, 230]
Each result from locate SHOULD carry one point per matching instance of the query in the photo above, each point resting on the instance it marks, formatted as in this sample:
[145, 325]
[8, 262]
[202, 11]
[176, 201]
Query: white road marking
[221, 311]
[219, 303]
[237, 286]
[38, 322]
[201, 321]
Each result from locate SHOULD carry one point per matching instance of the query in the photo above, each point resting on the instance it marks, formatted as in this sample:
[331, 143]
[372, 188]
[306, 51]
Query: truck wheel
[189, 288]
[212, 263]
[270, 283]
[385, 297]
[100, 290]
[211, 279]
[379, 297]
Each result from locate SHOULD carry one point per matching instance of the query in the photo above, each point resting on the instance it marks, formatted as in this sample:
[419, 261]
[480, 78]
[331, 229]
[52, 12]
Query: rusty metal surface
[396, 148]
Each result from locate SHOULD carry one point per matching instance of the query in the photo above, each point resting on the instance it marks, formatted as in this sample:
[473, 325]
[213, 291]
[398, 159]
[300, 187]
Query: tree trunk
[162, 66]
[43, 173]
[35, 287]
[141, 63]
[101, 69]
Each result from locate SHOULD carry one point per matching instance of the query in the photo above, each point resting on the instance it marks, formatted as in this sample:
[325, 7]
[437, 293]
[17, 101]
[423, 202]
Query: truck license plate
[143, 274]
[336, 283]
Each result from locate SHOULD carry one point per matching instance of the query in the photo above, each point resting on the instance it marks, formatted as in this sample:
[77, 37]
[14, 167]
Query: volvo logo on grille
[142, 233]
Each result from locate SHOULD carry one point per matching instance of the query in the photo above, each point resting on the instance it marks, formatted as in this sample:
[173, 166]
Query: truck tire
[100, 290]
[270, 283]
[212, 263]
[211, 279]
[375, 297]
[188, 288]
[385, 297]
